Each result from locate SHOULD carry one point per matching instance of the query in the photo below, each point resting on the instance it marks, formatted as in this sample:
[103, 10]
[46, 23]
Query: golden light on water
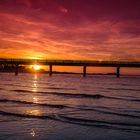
[35, 76]
[35, 100]
[32, 132]
[35, 84]
[35, 112]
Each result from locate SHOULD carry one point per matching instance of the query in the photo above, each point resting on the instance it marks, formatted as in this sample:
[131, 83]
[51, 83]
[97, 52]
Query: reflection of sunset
[35, 112]
[33, 132]
[35, 84]
[35, 100]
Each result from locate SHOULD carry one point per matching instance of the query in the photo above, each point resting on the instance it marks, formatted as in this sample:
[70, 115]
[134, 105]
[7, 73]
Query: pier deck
[84, 63]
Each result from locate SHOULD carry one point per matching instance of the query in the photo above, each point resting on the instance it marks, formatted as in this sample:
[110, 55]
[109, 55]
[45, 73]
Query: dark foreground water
[69, 107]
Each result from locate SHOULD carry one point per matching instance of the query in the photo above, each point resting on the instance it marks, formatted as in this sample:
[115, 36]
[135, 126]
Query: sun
[36, 67]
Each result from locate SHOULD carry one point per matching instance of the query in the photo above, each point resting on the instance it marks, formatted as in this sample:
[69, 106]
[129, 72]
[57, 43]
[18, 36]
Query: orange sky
[70, 29]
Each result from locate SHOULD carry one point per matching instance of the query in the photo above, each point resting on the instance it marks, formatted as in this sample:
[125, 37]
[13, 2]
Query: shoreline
[74, 73]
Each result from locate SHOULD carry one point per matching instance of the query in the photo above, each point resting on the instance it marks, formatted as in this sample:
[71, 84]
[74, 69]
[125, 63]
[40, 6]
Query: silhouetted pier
[84, 63]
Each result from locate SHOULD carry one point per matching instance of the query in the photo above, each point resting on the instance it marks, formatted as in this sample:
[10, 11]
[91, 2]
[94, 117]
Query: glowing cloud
[71, 29]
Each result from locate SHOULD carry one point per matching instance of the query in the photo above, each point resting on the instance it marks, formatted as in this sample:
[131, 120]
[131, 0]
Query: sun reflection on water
[35, 112]
[35, 84]
[34, 90]
[35, 76]
[35, 100]
[33, 133]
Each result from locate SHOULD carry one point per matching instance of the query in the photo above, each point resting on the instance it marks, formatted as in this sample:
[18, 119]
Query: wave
[26, 91]
[32, 103]
[58, 88]
[6, 84]
[90, 121]
[97, 96]
[128, 96]
[103, 124]
[80, 95]
[130, 89]
[79, 121]
[53, 88]
[64, 106]
[113, 113]
[23, 115]
[123, 99]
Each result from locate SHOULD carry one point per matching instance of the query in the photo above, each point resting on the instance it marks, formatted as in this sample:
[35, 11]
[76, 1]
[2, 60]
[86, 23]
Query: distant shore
[57, 72]
[74, 73]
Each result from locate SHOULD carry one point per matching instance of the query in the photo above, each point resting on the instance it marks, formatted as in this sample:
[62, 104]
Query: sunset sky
[70, 29]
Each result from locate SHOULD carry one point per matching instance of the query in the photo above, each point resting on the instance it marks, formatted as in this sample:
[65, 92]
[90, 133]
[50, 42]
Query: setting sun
[36, 67]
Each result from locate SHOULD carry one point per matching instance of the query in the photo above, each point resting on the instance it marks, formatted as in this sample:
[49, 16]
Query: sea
[69, 107]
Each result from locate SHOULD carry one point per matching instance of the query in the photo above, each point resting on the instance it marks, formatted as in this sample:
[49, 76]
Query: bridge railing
[20, 60]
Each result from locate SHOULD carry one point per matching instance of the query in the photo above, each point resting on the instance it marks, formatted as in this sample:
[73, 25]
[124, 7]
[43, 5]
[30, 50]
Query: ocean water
[69, 107]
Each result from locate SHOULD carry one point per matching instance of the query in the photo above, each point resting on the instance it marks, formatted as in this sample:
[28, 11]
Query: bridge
[84, 63]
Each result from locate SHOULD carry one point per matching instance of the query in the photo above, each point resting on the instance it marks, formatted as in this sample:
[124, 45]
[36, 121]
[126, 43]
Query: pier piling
[50, 71]
[16, 69]
[118, 72]
[84, 70]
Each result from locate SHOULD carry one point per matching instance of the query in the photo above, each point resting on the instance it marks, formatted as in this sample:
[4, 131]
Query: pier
[84, 63]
